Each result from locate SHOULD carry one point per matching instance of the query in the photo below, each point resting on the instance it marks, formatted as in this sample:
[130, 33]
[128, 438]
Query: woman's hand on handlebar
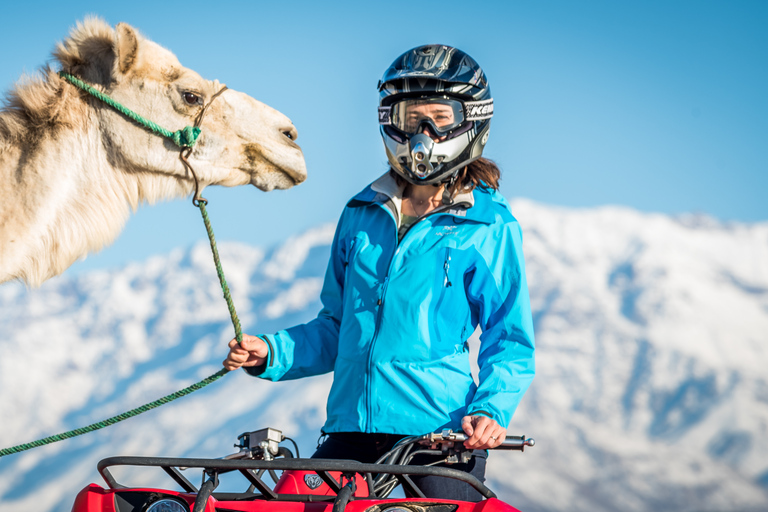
[252, 352]
[483, 432]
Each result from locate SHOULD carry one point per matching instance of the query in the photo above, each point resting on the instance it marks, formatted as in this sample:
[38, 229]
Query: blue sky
[659, 106]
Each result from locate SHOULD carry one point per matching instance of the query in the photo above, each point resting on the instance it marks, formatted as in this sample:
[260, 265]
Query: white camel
[72, 168]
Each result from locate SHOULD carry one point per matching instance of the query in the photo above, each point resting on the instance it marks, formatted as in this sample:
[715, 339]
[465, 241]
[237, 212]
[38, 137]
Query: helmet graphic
[442, 91]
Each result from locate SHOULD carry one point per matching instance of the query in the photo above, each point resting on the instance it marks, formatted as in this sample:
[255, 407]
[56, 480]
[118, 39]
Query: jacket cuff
[257, 371]
[481, 413]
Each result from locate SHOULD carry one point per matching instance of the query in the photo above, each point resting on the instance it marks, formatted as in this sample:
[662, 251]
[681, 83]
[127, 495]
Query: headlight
[167, 505]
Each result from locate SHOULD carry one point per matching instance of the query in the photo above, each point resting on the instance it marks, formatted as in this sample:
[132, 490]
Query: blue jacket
[397, 317]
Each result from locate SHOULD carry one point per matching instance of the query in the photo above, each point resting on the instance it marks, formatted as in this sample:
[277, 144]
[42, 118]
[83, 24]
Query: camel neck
[68, 198]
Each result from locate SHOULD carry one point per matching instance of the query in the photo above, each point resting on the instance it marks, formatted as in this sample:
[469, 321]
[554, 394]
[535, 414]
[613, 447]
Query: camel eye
[192, 98]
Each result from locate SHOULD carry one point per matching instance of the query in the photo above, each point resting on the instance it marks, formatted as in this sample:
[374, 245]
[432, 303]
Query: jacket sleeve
[498, 294]
[311, 348]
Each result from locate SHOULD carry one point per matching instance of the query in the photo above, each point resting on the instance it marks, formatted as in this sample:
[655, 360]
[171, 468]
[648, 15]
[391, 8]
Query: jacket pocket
[450, 308]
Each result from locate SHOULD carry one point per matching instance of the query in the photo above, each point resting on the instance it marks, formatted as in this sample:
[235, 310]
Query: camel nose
[298, 172]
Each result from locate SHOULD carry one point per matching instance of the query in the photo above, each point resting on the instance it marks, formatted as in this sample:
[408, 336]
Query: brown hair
[479, 173]
[482, 172]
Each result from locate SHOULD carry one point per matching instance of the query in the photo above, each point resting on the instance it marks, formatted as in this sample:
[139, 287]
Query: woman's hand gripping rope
[252, 351]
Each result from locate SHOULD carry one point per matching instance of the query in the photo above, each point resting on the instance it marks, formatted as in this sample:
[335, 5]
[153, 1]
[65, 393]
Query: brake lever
[244, 453]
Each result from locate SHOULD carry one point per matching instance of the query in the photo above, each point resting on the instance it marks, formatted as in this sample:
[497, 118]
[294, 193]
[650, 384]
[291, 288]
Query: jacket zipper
[380, 306]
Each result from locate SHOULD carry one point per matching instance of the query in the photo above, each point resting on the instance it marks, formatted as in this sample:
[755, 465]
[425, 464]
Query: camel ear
[126, 47]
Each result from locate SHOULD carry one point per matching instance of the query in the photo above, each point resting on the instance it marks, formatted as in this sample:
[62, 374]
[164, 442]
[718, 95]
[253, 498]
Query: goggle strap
[385, 115]
[477, 110]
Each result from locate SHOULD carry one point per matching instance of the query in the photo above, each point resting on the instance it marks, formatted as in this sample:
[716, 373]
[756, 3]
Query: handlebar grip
[449, 436]
[515, 443]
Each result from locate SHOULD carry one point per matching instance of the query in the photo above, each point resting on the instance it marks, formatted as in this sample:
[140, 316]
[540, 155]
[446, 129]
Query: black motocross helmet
[440, 90]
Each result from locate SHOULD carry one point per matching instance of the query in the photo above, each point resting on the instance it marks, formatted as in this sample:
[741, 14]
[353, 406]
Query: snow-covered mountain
[652, 353]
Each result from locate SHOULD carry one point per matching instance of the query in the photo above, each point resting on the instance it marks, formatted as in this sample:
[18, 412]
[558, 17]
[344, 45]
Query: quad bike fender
[93, 497]
[494, 505]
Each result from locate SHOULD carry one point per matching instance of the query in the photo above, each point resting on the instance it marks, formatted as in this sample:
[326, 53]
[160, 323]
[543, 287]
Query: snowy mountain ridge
[651, 390]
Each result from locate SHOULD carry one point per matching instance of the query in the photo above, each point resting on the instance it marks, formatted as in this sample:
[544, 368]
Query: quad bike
[306, 485]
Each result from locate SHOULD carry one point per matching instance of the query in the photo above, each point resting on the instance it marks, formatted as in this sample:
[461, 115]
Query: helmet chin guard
[421, 153]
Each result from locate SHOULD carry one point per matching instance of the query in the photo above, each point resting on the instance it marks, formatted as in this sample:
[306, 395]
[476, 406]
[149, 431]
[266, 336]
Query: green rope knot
[186, 137]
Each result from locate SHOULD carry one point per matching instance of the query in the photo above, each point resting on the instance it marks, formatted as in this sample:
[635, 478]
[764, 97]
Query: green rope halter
[184, 138]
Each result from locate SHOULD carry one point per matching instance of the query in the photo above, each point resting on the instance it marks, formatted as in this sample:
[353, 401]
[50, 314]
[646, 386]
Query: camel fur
[72, 168]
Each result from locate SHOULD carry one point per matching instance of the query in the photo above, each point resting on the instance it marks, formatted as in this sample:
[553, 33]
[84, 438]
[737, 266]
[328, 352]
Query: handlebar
[449, 437]
[446, 446]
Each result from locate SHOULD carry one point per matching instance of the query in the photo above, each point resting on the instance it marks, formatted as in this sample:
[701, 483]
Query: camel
[72, 168]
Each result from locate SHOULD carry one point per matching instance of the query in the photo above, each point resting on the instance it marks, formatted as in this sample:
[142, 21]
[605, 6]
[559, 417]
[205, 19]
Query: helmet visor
[441, 114]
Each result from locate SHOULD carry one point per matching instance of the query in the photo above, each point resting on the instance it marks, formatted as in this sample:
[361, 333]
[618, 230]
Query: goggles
[443, 115]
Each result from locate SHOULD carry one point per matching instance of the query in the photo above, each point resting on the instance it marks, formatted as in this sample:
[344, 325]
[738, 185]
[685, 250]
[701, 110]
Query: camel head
[243, 141]
[72, 167]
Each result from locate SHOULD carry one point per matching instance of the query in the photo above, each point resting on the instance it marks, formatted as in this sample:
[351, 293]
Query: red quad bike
[306, 485]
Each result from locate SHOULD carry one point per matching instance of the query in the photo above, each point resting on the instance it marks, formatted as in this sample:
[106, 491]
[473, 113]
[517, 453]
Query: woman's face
[441, 115]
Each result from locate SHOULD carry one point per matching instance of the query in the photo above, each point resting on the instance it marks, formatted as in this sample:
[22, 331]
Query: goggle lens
[442, 114]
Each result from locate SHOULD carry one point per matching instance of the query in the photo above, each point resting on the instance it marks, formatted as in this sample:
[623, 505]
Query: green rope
[220, 273]
[168, 398]
[114, 419]
[184, 138]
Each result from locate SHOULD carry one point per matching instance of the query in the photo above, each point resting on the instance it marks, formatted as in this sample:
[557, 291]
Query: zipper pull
[378, 302]
[447, 283]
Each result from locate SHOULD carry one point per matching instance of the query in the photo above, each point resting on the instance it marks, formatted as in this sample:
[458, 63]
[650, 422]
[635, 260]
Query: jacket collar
[475, 205]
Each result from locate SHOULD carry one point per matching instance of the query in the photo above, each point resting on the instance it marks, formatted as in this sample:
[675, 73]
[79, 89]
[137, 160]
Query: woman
[421, 257]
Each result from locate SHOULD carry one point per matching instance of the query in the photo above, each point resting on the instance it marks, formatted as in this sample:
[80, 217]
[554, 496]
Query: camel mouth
[284, 173]
[298, 179]
[279, 179]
